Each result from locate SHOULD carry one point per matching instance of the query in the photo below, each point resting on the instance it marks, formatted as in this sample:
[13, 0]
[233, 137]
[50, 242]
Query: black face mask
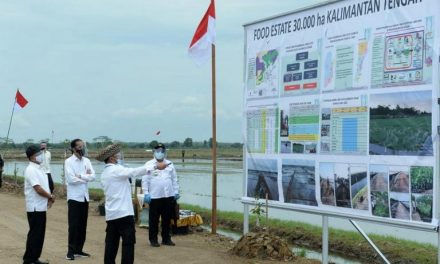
[80, 152]
[43, 148]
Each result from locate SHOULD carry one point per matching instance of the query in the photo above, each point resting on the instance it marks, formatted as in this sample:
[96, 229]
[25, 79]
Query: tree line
[103, 141]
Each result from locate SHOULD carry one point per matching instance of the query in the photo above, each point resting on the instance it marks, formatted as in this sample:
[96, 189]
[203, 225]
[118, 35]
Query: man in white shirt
[160, 191]
[46, 164]
[38, 198]
[119, 213]
[79, 172]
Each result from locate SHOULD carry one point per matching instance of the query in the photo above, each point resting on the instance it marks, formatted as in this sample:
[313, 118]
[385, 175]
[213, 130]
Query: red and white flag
[204, 37]
[20, 101]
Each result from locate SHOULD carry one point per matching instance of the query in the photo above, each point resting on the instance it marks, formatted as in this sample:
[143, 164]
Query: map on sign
[267, 72]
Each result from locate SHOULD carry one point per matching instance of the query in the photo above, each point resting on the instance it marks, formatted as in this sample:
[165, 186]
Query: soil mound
[262, 246]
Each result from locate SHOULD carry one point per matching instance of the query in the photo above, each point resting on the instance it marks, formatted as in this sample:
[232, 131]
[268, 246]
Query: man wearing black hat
[119, 213]
[38, 199]
[160, 191]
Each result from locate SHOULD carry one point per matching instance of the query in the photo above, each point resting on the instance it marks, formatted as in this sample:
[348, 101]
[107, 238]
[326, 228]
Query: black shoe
[40, 262]
[82, 254]
[168, 243]
[70, 256]
[154, 244]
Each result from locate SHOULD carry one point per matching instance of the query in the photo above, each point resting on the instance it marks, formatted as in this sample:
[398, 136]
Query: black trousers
[160, 208]
[35, 236]
[117, 229]
[77, 219]
[51, 185]
[1, 180]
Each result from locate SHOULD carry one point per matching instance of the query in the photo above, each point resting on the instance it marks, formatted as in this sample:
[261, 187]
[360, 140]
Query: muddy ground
[193, 248]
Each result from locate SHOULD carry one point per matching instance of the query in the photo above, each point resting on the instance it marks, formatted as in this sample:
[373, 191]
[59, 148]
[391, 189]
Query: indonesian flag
[204, 37]
[20, 101]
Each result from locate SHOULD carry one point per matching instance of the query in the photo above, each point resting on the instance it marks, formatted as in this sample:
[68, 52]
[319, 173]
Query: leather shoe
[168, 243]
[154, 244]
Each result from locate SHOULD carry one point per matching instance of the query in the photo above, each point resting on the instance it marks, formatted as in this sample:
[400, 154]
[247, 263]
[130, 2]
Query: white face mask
[159, 155]
[119, 159]
[39, 158]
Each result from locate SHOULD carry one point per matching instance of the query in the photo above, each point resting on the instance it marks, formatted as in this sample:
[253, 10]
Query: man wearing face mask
[78, 172]
[160, 190]
[119, 213]
[38, 199]
[46, 164]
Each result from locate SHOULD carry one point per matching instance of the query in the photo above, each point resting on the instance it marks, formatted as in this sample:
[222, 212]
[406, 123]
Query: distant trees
[188, 142]
[381, 111]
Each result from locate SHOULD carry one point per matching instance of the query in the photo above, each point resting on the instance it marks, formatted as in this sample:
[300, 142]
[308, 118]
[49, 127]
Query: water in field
[195, 184]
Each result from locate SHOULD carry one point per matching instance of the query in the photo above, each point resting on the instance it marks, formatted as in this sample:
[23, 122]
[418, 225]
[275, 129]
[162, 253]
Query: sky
[120, 68]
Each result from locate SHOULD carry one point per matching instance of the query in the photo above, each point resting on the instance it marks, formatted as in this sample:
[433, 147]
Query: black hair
[73, 143]
[31, 150]
[107, 160]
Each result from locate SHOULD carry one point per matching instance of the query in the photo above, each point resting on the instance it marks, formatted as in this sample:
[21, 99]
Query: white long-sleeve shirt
[33, 176]
[117, 190]
[47, 157]
[160, 183]
[77, 178]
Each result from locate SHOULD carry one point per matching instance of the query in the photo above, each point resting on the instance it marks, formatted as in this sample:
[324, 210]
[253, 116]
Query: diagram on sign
[401, 124]
[345, 58]
[301, 66]
[263, 130]
[299, 182]
[299, 126]
[403, 57]
[344, 123]
[263, 74]
[262, 179]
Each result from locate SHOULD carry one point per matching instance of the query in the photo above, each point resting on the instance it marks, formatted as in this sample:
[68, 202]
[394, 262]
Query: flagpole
[214, 149]
[10, 121]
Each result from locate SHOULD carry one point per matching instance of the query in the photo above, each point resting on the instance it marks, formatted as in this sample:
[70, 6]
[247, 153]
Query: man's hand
[147, 198]
[176, 196]
[51, 201]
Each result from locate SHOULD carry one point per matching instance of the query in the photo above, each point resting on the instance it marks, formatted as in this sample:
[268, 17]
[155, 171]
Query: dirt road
[194, 248]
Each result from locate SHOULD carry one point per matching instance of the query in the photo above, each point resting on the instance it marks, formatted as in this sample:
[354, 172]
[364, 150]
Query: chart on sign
[344, 130]
[263, 130]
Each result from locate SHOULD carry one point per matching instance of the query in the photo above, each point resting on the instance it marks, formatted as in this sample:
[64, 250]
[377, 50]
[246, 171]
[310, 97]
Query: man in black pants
[79, 172]
[119, 212]
[2, 163]
[38, 198]
[160, 190]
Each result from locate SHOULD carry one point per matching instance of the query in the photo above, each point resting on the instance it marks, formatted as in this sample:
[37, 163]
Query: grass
[94, 194]
[407, 134]
[345, 243]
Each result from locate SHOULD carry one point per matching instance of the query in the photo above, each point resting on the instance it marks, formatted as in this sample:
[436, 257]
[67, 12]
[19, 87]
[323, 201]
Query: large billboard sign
[340, 109]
